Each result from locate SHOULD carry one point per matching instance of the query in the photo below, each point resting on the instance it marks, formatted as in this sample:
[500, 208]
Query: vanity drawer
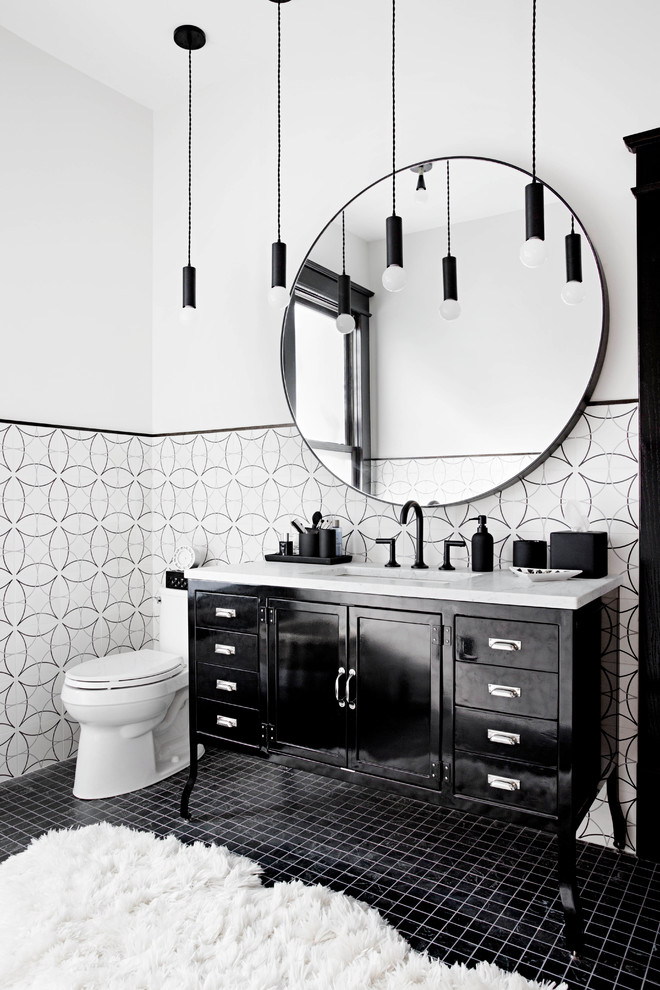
[227, 684]
[514, 692]
[225, 647]
[521, 785]
[532, 645]
[226, 611]
[229, 722]
[509, 737]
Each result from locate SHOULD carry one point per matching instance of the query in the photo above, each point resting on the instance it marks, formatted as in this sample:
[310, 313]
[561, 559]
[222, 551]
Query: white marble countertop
[497, 587]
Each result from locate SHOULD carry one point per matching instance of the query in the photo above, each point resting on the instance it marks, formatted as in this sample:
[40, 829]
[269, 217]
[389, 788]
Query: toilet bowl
[133, 710]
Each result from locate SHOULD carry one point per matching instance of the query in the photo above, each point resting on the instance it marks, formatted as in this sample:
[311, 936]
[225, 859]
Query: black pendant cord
[572, 224]
[189, 151]
[393, 107]
[448, 216]
[534, 179]
[279, 119]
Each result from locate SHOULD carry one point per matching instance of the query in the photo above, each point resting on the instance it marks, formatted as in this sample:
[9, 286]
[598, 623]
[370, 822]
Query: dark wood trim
[646, 146]
[316, 287]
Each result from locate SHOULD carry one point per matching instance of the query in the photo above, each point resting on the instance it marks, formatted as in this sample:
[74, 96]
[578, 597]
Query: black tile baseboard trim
[149, 436]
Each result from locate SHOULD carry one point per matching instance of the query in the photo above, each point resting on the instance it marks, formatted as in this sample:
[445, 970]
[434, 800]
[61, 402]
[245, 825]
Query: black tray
[297, 559]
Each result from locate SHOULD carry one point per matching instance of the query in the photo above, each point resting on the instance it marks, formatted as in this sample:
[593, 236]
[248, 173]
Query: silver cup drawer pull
[504, 691]
[225, 685]
[505, 644]
[227, 651]
[225, 722]
[503, 783]
[225, 613]
[507, 738]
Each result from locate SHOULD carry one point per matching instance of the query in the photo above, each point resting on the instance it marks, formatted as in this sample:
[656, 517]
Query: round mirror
[411, 404]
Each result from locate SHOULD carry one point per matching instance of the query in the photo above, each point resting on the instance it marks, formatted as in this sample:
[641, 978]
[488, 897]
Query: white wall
[75, 246]
[463, 88]
[76, 188]
[504, 377]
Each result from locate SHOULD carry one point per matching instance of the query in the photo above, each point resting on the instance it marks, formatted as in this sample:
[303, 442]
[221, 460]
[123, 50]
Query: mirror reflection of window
[320, 375]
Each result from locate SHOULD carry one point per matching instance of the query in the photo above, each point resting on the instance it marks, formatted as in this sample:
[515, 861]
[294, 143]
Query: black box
[586, 552]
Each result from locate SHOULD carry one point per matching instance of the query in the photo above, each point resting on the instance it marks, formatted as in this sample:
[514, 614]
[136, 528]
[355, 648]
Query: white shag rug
[115, 909]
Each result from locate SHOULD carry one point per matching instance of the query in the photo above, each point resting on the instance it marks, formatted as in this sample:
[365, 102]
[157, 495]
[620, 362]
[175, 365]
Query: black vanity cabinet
[502, 710]
[357, 688]
[307, 674]
[226, 678]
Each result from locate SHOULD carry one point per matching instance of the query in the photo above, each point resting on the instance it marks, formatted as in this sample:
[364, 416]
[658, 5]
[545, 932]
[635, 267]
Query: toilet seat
[137, 668]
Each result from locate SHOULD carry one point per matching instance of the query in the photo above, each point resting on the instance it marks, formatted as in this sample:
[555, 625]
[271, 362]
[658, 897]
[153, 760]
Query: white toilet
[133, 710]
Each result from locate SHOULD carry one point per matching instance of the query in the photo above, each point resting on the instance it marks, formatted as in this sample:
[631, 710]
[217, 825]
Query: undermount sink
[403, 573]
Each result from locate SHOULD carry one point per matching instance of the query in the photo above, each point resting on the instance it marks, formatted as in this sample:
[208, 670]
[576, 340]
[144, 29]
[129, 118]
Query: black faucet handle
[392, 542]
[447, 564]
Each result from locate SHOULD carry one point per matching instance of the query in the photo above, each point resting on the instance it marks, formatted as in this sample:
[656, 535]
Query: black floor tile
[465, 889]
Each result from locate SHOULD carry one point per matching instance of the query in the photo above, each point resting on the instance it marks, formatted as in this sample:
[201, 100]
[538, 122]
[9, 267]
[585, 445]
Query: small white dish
[544, 573]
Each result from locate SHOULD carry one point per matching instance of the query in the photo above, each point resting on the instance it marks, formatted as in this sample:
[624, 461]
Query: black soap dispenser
[482, 546]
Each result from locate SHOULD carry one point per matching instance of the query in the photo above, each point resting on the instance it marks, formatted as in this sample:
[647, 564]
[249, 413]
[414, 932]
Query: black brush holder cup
[308, 543]
[327, 543]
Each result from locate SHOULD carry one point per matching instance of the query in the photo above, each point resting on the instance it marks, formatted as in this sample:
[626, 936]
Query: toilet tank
[173, 636]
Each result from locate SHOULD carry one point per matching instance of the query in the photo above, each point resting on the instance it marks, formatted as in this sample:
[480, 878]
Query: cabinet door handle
[225, 685]
[503, 783]
[227, 723]
[225, 613]
[504, 691]
[340, 701]
[508, 738]
[505, 644]
[349, 702]
[227, 651]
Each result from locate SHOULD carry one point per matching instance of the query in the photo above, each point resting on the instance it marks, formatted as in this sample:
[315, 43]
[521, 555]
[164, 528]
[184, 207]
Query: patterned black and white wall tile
[458, 477]
[75, 574]
[90, 521]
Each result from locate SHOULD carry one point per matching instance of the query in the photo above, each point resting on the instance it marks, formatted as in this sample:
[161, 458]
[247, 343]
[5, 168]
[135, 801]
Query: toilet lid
[122, 670]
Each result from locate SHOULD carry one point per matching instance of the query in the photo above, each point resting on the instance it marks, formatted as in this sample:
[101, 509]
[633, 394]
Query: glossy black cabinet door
[307, 680]
[394, 695]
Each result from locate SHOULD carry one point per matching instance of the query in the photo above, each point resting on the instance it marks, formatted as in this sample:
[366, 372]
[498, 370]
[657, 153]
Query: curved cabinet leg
[618, 819]
[570, 897]
[187, 791]
[192, 777]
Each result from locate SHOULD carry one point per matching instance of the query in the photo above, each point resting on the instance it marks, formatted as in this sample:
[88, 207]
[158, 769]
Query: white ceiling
[128, 45]
[596, 67]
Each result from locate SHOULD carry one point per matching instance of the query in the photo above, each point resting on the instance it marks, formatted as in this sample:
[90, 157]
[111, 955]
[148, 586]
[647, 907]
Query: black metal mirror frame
[598, 363]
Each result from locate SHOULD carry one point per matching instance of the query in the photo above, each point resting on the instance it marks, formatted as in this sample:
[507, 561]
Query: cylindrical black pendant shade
[449, 280]
[189, 286]
[534, 219]
[394, 239]
[573, 257]
[343, 294]
[421, 183]
[278, 264]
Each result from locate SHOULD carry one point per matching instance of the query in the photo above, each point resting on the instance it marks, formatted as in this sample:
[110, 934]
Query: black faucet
[419, 535]
[447, 564]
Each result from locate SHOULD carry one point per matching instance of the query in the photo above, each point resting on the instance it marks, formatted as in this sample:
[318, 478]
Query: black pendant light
[394, 277]
[345, 320]
[421, 192]
[450, 308]
[573, 291]
[190, 38]
[532, 253]
[278, 297]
